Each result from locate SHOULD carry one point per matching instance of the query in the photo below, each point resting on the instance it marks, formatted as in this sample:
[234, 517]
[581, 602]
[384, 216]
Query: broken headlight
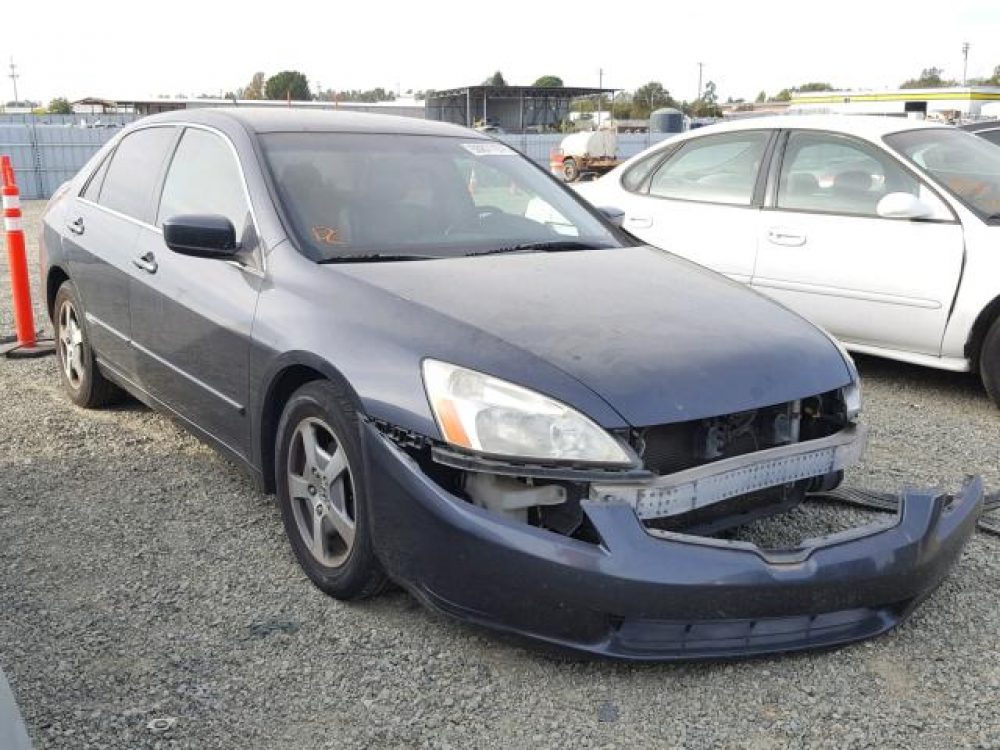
[482, 413]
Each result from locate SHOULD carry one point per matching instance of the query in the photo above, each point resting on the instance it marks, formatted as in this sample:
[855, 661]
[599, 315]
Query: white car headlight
[481, 413]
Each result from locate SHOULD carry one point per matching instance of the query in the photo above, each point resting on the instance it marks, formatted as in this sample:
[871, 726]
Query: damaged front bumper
[701, 486]
[657, 595]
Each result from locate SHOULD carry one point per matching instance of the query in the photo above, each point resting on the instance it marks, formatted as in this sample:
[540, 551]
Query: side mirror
[903, 206]
[615, 215]
[201, 235]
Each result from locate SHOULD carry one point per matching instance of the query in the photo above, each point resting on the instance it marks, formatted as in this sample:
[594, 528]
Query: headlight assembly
[482, 413]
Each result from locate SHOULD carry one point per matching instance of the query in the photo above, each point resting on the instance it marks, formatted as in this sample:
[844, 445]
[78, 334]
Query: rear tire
[81, 378]
[570, 171]
[323, 492]
[989, 362]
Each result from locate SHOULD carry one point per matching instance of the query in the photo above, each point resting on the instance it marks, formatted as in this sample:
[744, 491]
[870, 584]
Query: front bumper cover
[653, 595]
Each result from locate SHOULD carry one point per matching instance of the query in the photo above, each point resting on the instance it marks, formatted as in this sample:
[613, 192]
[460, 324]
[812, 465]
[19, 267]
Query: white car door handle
[788, 237]
[639, 222]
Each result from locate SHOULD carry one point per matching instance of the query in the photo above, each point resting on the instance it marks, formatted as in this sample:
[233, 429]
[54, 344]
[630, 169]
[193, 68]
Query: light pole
[701, 67]
[965, 62]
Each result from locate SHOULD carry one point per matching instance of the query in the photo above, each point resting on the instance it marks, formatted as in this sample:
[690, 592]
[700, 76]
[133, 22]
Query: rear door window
[713, 169]
[134, 171]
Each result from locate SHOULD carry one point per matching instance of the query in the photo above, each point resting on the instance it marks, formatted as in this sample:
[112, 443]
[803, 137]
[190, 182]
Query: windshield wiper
[545, 246]
[368, 257]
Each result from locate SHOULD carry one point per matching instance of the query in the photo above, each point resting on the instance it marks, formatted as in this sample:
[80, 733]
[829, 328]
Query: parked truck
[592, 152]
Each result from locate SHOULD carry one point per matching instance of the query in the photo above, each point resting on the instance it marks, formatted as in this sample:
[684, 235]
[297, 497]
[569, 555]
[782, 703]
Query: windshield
[967, 166]
[372, 196]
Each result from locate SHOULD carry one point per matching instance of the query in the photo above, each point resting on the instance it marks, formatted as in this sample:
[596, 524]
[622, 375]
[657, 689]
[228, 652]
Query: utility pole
[701, 67]
[600, 95]
[965, 63]
[14, 75]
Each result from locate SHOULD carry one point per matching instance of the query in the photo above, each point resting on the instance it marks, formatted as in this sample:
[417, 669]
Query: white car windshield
[351, 196]
[967, 166]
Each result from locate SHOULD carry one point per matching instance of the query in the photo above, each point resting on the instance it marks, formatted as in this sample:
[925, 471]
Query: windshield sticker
[489, 149]
[327, 235]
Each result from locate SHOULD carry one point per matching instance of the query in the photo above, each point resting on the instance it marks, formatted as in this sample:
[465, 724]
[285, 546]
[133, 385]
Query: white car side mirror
[903, 206]
[615, 215]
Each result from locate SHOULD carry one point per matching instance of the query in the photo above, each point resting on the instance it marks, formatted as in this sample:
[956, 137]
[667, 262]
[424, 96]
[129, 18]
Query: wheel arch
[292, 371]
[55, 278]
[985, 319]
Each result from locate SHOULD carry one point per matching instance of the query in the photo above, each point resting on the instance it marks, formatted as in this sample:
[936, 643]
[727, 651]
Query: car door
[192, 317]
[102, 228]
[826, 252]
[699, 201]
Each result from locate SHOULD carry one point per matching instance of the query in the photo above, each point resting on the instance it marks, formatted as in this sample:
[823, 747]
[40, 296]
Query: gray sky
[124, 49]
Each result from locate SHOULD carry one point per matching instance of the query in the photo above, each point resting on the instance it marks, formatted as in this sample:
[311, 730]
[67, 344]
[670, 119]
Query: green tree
[785, 95]
[549, 82]
[496, 79]
[993, 80]
[814, 86]
[710, 95]
[930, 78]
[60, 106]
[621, 108]
[649, 97]
[707, 105]
[254, 89]
[288, 84]
[761, 97]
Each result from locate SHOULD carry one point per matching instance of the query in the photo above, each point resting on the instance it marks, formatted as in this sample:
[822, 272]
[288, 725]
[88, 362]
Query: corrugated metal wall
[46, 155]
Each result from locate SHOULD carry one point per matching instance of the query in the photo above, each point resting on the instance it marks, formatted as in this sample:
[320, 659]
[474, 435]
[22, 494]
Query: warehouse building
[962, 102]
[516, 109]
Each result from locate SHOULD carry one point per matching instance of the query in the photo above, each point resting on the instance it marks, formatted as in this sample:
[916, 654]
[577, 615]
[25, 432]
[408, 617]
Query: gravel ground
[148, 599]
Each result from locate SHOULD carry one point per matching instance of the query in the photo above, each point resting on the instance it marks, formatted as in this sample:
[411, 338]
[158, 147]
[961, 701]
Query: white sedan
[885, 231]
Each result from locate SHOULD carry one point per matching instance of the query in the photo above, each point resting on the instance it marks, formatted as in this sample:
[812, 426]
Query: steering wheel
[481, 212]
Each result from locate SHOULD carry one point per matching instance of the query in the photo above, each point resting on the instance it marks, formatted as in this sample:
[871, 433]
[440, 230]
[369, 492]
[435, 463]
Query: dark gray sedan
[457, 376]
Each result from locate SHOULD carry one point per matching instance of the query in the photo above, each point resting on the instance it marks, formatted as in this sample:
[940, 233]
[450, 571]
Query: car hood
[658, 338]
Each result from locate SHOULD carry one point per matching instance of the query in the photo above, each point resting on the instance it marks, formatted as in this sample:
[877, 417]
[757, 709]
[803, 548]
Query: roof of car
[867, 126]
[291, 119]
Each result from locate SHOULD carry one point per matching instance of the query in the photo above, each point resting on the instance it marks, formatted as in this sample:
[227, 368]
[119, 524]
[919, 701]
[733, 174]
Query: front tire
[989, 362]
[81, 378]
[322, 491]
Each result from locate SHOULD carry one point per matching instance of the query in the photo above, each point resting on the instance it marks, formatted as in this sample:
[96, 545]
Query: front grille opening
[666, 449]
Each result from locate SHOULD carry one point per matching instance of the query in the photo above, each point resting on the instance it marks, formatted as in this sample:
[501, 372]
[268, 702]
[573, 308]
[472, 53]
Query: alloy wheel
[321, 492]
[71, 345]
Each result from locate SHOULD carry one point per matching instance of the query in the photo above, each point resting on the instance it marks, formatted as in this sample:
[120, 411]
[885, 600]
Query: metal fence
[79, 119]
[47, 151]
[538, 147]
[45, 156]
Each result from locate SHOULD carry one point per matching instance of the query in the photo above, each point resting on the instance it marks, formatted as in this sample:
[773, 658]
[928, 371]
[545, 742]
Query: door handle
[76, 227]
[787, 237]
[146, 262]
[640, 222]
